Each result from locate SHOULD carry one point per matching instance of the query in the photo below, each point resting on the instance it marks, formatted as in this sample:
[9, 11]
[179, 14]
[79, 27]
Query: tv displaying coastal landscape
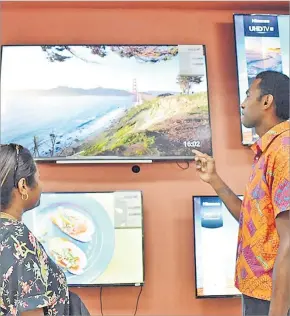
[96, 238]
[262, 43]
[215, 248]
[97, 102]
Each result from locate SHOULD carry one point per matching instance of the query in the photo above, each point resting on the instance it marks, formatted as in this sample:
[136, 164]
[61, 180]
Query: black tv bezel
[101, 285]
[194, 253]
[237, 65]
[116, 159]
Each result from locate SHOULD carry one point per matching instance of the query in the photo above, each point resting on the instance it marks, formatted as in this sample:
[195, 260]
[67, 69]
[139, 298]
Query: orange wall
[169, 261]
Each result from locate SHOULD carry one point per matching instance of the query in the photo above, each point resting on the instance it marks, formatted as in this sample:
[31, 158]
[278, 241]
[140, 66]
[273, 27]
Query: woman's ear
[22, 186]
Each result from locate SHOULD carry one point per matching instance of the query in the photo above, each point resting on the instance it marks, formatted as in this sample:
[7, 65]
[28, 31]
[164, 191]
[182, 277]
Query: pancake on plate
[67, 255]
[73, 223]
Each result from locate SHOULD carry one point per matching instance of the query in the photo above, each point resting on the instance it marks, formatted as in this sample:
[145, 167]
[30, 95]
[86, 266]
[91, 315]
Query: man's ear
[22, 186]
[268, 101]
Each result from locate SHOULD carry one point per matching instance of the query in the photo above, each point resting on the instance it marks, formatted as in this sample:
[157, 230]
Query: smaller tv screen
[215, 244]
[262, 43]
[96, 238]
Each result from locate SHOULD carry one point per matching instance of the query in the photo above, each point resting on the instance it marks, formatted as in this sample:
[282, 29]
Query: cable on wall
[138, 298]
[137, 301]
[101, 301]
[182, 167]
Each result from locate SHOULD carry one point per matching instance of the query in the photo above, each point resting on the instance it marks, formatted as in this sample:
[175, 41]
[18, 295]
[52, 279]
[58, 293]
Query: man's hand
[205, 166]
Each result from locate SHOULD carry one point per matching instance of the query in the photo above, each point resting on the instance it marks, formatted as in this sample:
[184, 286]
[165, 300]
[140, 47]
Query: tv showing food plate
[96, 238]
[100, 102]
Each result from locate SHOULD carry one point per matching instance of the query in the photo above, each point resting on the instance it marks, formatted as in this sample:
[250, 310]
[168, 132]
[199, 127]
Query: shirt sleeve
[26, 281]
[280, 184]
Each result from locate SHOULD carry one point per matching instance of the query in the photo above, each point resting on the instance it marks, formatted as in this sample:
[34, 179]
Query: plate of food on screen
[73, 223]
[67, 255]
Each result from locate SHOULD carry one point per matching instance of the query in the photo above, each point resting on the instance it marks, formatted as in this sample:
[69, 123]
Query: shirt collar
[263, 142]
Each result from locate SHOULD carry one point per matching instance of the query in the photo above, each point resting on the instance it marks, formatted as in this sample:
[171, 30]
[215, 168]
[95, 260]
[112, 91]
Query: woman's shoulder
[17, 241]
[9, 228]
[13, 228]
[18, 245]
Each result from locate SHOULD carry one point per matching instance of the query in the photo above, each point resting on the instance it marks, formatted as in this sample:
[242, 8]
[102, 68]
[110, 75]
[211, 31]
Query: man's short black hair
[276, 84]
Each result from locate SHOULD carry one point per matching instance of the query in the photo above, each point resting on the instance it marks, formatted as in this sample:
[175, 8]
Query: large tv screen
[215, 244]
[96, 238]
[262, 43]
[106, 102]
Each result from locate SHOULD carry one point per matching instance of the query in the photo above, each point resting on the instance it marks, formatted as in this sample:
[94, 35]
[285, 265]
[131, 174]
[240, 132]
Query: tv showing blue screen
[215, 245]
[106, 102]
[262, 43]
[95, 237]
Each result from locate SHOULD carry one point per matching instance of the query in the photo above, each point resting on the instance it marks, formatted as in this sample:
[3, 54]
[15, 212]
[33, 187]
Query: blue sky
[27, 68]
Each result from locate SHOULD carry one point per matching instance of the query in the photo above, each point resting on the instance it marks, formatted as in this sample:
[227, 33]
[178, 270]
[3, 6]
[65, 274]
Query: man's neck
[266, 126]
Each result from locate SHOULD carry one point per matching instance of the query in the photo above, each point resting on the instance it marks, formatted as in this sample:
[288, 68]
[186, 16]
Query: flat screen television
[215, 247]
[103, 102]
[262, 43]
[96, 238]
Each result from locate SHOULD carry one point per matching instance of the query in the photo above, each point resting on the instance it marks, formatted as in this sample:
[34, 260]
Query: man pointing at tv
[263, 251]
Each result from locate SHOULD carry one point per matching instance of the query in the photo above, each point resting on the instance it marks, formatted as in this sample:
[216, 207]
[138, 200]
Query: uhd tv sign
[261, 26]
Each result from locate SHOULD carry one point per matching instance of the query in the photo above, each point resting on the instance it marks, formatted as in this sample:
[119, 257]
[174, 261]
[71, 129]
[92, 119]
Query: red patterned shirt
[267, 194]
